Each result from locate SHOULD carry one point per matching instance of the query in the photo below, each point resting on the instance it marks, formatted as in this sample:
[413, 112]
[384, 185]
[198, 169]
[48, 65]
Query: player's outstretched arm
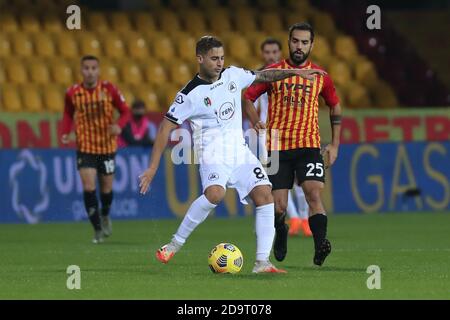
[271, 75]
[160, 144]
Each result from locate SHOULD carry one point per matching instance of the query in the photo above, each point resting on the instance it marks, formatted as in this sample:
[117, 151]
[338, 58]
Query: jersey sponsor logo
[216, 85]
[232, 87]
[179, 99]
[226, 111]
[207, 102]
[213, 176]
[293, 86]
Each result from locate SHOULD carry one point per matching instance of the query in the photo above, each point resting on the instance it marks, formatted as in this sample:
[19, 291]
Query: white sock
[291, 209]
[265, 231]
[303, 208]
[197, 213]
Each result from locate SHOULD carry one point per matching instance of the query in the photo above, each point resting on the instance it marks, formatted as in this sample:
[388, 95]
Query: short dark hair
[206, 43]
[89, 57]
[302, 26]
[271, 41]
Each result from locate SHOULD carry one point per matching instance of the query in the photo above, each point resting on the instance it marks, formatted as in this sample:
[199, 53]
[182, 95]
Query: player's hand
[259, 126]
[330, 154]
[114, 129]
[65, 139]
[309, 74]
[145, 179]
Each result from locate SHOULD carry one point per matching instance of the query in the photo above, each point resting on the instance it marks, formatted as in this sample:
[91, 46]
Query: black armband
[336, 120]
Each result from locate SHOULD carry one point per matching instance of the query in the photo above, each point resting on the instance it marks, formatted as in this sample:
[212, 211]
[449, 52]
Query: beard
[299, 59]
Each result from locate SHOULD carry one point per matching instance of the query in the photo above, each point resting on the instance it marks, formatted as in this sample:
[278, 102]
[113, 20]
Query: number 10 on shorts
[318, 169]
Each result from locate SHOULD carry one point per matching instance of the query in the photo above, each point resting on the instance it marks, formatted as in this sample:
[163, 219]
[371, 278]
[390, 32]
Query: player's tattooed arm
[158, 148]
[331, 150]
[271, 75]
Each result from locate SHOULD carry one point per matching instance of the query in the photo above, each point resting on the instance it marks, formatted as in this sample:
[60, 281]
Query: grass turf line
[412, 250]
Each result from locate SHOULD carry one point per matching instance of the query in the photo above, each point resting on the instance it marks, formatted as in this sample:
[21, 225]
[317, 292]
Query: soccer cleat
[266, 267]
[295, 225]
[280, 243]
[98, 237]
[323, 251]
[305, 228]
[166, 252]
[106, 225]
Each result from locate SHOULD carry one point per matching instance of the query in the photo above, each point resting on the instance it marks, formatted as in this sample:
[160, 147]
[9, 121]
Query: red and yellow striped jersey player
[293, 138]
[90, 107]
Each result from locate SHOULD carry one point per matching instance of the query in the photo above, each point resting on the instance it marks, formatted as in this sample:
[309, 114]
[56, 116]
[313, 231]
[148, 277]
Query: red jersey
[293, 113]
[92, 112]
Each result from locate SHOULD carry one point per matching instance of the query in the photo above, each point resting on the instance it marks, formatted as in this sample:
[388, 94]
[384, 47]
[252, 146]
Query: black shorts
[303, 163]
[104, 163]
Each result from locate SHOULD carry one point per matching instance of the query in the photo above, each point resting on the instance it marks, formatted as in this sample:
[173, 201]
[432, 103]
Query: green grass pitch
[412, 250]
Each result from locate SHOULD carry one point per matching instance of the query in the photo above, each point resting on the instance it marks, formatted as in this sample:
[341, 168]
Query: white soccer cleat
[98, 237]
[106, 225]
[266, 267]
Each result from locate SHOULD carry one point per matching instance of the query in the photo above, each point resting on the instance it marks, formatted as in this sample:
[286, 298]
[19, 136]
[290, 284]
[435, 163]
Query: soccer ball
[225, 258]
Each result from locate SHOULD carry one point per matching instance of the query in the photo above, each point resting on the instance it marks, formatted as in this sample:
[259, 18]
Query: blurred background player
[211, 102]
[293, 133]
[136, 131]
[89, 107]
[271, 52]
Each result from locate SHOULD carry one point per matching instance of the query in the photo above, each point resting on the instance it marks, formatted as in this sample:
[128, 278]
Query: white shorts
[241, 176]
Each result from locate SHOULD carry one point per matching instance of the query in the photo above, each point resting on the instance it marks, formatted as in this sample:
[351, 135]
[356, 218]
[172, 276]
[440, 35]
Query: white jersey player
[271, 51]
[211, 102]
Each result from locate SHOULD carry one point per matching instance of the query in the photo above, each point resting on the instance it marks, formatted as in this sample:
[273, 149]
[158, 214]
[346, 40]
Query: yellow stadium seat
[16, 71]
[167, 94]
[96, 21]
[66, 45]
[10, 98]
[155, 73]
[38, 71]
[239, 4]
[345, 48]
[321, 49]
[154, 4]
[43, 45]
[113, 46]
[383, 96]
[5, 47]
[185, 46]
[298, 5]
[126, 92]
[238, 47]
[120, 22]
[255, 39]
[51, 23]
[219, 21]
[53, 98]
[340, 72]
[293, 16]
[365, 73]
[168, 21]
[245, 20]
[22, 44]
[180, 74]
[89, 44]
[145, 93]
[2, 75]
[163, 49]
[194, 21]
[144, 21]
[137, 46]
[207, 4]
[62, 72]
[8, 23]
[131, 72]
[30, 23]
[179, 4]
[31, 98]
[270, 22]
[357, 95]
[109, 71]
[323, 24]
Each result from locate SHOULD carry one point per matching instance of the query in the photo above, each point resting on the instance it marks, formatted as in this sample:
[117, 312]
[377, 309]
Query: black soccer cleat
[280, 244]
[323, 251]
